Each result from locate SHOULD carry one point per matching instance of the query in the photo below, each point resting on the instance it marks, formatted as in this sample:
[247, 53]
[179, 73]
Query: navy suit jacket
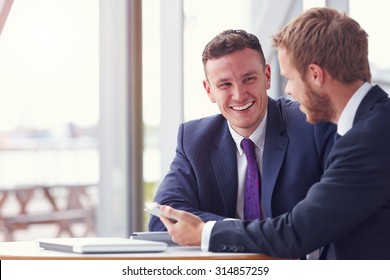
[347, 212]
[203, 175]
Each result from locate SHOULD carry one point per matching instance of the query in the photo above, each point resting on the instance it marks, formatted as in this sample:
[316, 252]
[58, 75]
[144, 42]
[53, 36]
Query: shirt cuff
[206, 233]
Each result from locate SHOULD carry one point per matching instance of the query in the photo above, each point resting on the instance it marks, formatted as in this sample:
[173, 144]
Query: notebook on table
[97, 245]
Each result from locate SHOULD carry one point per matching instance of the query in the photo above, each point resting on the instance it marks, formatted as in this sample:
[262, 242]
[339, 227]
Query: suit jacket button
[223, 247]
[234, 248]
[241, 248]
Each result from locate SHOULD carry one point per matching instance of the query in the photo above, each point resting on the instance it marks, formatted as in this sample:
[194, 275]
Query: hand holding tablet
[154, 209]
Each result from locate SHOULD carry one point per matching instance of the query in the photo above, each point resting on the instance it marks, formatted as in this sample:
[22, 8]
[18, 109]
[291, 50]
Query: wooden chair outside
[70, 204]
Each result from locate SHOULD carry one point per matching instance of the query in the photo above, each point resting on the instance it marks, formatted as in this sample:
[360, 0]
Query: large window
[375, 22]
[151, 96]
[49, 108]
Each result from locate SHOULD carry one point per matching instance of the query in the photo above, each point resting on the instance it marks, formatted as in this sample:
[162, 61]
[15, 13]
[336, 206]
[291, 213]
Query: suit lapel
[224, 163]
[275, 147]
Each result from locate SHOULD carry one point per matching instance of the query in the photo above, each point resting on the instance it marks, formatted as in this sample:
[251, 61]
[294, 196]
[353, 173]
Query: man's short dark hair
[230, 41]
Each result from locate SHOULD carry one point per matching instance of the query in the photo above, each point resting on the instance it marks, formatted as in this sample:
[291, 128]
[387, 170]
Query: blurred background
[92, 93]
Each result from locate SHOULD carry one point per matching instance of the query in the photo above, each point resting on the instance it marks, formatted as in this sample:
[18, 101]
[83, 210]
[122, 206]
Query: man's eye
[224, 85]
[249, 79]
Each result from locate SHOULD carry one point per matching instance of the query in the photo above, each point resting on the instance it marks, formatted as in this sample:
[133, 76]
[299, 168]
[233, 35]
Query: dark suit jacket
[347, 212]
[203, 175]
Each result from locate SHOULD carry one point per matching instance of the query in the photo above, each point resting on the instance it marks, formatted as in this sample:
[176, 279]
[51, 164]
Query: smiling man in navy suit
[208, 172]
[323, 55]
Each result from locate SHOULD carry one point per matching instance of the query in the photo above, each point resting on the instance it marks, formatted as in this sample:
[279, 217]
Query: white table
[29, 250]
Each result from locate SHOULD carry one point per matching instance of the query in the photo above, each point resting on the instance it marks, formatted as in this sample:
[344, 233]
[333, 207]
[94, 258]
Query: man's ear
[316, 74]
[207, 88]
[267, 73]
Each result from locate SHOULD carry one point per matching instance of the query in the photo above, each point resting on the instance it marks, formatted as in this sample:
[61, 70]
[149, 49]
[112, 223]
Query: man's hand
[186, 230]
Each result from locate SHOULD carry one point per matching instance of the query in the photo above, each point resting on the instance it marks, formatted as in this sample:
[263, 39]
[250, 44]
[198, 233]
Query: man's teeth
[241, 108]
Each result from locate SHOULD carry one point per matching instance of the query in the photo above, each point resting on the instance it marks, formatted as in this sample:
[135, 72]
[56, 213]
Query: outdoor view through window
[48, 119]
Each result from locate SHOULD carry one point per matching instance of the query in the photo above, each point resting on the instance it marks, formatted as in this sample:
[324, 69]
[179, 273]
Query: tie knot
[248, 147]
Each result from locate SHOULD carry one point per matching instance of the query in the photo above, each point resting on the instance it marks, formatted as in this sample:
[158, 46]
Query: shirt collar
[258, 136]
[348, 114]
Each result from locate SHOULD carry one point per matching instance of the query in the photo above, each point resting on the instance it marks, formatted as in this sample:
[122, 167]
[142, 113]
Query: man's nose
[287, 90]
[238, 92]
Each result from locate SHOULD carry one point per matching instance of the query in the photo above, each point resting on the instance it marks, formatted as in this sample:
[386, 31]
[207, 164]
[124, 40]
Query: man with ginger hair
[323, 55]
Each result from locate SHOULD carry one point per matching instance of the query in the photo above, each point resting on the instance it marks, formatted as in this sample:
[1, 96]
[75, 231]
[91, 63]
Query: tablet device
[101, 245]
[160, 236]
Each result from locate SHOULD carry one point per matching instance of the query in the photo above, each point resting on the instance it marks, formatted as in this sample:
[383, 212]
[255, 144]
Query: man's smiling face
[238, 83]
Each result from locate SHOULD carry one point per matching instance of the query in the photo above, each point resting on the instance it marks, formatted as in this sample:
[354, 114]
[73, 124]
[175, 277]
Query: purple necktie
[252, 182]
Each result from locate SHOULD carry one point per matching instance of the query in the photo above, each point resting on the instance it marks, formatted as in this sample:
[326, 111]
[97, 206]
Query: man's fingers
[167, 222]
[184, 228]
[175, 215]
[168, 211]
